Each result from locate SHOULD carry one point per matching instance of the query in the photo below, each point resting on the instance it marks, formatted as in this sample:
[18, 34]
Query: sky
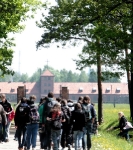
[27, 59]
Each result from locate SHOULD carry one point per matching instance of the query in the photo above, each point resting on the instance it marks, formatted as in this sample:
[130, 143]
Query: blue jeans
[31, 135]
[0, 131]
[87, 132]
[21, 131]
[124, 133]
[78, 135]
[55, 138]
[6, 130]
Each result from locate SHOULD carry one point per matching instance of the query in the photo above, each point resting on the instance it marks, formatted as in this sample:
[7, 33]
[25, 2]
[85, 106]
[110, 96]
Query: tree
[92, 76]
[97, 20]
[83, 77]
[12, 14]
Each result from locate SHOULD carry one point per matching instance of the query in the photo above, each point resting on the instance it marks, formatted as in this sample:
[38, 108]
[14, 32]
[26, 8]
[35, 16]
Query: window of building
[45, 91]
[49, 91]
[45, 78]
[49, 78]
[73, 97]
[49, 84]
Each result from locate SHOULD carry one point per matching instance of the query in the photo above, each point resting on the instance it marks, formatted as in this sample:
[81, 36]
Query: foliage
[12, 14]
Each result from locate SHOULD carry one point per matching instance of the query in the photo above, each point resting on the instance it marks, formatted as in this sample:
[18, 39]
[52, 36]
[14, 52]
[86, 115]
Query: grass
[107, 139]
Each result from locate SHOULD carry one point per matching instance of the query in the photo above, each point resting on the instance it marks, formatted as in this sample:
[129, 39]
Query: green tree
[92, 76]
[24, 78]
[83, 77]
[12, 14]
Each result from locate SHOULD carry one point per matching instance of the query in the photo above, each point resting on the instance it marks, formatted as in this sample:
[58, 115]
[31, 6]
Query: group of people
[66, 124]
[60, 123]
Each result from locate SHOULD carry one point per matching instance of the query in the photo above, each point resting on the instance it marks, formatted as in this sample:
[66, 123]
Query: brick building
[112, 92]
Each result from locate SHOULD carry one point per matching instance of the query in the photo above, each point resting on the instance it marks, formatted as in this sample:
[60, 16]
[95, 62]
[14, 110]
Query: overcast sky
[27, 59]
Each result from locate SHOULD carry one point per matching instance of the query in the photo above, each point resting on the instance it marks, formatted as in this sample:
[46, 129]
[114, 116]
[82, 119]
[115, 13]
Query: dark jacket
[67, 114]
[47, 106]
[7, 106]
[3, 118]
[122, 123]
[21, 118]
[78, 120]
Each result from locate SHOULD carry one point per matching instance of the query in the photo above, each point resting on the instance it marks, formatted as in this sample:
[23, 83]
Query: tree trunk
[131, 87]
[128, 79]
[100, 101]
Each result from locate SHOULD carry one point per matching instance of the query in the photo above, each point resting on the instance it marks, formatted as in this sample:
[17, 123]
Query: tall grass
[108, 139]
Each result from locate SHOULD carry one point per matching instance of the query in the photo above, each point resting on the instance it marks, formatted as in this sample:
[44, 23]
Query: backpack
[56, 123]
[87, 111]
[34, 115]
[48, 105]
[67, 114]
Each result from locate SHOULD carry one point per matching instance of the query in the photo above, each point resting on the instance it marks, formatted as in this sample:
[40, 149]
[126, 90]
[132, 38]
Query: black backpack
[34, 115]
[48, 105]
[56, 123]
[67, 114]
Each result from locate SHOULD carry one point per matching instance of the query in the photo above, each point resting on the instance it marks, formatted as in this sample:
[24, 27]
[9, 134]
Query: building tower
[47, 83]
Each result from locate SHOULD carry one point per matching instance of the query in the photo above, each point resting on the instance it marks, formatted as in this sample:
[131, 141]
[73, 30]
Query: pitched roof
[11, 88]
[47, 73]
[91, 88]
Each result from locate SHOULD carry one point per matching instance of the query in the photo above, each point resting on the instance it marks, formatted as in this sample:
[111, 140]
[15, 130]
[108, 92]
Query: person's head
[3, 97]
[23, 100]
[58, 99]
[69, 101]
[78, 106]
[120, 114]
[64, 102]
[32, 97]
[42, 100]
[80, 100]
[86, 100]
[56, 108]
[50, 95]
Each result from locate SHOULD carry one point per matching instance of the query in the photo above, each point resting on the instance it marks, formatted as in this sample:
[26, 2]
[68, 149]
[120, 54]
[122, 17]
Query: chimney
[65, 93]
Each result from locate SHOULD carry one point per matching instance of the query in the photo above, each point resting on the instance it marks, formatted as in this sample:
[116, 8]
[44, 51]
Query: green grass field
[107, 139]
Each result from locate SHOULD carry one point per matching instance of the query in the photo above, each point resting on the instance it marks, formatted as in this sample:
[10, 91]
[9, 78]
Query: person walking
[46, 108]
[56, 118]
[33, 124]
[89, 120]
[21, 119]
[8, 109]
[78, 123]
[3, 119]
[66, 137]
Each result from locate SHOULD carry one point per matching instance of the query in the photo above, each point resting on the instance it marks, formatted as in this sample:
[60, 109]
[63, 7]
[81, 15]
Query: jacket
[122, 123]
[46, 108]
[21, 119]
[3, 118]
[78, 120]
[7, 106]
